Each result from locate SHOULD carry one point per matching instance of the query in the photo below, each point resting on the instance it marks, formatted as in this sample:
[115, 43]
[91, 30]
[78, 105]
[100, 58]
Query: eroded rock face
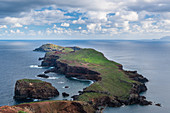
[75, 71]
[50, 107]
[34, 89]
[135, 76]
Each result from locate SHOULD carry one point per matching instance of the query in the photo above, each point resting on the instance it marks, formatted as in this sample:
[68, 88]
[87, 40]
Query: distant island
[165, 38]
[112, 85]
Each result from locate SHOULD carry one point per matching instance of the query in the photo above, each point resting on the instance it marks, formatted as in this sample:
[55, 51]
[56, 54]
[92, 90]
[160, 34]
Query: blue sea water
[149, 58]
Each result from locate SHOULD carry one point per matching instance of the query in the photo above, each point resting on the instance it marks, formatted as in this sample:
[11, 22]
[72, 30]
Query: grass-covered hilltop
[112, 87]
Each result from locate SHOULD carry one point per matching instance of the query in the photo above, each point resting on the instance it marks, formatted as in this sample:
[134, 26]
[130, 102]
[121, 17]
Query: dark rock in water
[43, 76]
[66, 87]
[65, 94]
[145, 102]
[75, 97]
[41, 58]
[158, 104]
[34, 89]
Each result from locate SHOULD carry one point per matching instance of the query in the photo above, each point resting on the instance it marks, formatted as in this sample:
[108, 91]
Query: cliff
[34, 89]
[50, 107]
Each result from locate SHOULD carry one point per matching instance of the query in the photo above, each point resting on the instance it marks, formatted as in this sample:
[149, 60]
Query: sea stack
[34, 89]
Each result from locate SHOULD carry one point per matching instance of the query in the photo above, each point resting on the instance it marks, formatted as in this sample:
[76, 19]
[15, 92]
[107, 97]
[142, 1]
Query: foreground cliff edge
[112, 85]
[50, 107]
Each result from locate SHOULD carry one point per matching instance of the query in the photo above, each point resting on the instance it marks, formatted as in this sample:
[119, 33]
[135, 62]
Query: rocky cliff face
[34, 89]
[50, 107]
[74, 71]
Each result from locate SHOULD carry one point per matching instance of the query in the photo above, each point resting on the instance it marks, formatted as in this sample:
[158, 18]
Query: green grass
[32, 80]
[53, 47]
[21, 112]
[113, 80]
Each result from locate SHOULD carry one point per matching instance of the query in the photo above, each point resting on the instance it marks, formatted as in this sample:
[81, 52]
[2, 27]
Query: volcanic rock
[43, 76]
[34, 89]
[65, 94]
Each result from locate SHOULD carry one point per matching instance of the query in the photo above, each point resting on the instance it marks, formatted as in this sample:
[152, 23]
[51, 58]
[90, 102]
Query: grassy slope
[112, 77]
[49, 47]
[32, 80]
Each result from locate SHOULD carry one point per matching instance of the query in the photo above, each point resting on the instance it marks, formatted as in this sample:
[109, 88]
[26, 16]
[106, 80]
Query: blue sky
[90, 19]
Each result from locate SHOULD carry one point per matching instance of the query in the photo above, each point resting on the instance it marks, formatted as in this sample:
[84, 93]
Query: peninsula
[112, 85]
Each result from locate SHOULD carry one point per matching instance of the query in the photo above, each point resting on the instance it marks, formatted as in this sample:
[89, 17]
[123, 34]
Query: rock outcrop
[135, 76]
[34, 89]
[50, 107]
[65, 94]
[74, 71]
[43, 76]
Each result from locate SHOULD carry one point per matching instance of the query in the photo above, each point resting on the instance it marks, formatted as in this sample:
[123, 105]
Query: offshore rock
[34, 89]
[65, 94]
[43, 76]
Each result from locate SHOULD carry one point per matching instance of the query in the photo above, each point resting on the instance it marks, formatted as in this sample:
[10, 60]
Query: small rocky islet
[112, 85]
[34, 89]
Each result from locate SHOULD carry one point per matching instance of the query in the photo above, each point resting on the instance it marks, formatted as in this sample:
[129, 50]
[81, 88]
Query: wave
[35, 66]
[60, 82]
[53, 78]
[83, 80]
[38, 66]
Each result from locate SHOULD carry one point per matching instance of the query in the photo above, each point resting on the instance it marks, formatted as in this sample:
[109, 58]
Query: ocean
[149, 58]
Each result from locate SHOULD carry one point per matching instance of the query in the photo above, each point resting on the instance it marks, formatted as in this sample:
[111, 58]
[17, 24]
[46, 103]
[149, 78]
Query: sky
[84, 19]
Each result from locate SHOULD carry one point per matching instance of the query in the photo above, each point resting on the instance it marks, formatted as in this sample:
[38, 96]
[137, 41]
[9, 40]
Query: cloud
[65, 24]
[94, 27]
[38, 17]
[97, 17]
[79, 21]
[16, 25]
[3, 26]
[149, 5]
[130, 16]
[15, 7]
[12, 31]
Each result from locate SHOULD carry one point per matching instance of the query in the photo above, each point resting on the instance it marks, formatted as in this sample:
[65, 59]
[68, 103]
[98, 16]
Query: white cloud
[16, 25]
[65, 24]
[94, 27]
[38, 17]
[130, 16]
[48, 31]
[97, 16]
[12, 31]
[79, 21]
[79, 28]
[3, 26]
